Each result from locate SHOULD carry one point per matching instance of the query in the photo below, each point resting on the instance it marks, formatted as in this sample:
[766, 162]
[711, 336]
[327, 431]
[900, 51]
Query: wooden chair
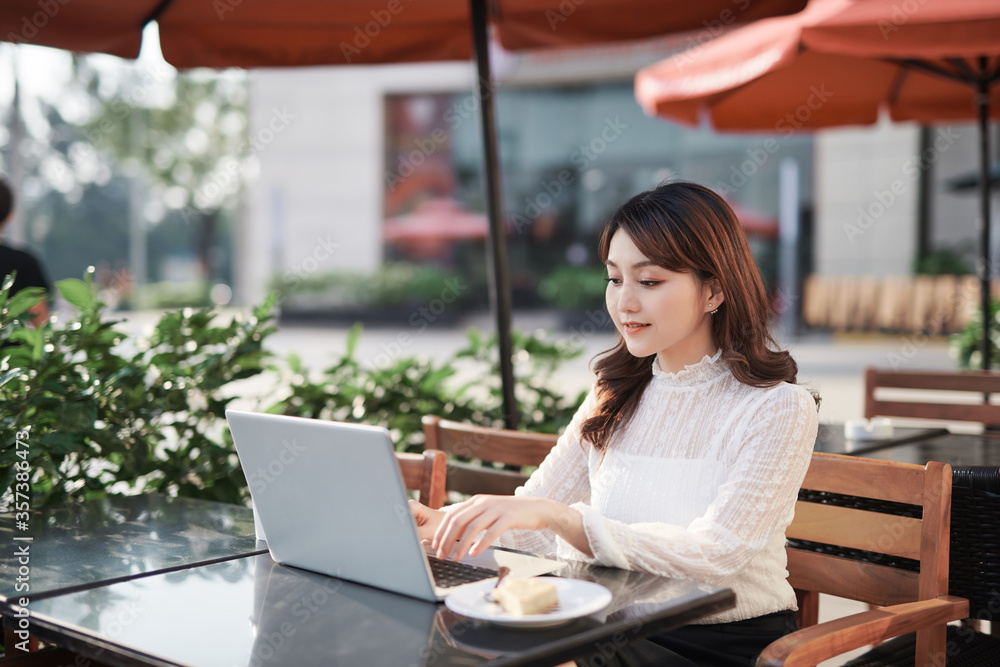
[980, 382]
[425, 473]
[843, 304]
[942, 316]
[838, 548]
[894, 304]
[966, 302]
[816, 301]
[866, 311]
[490, 445]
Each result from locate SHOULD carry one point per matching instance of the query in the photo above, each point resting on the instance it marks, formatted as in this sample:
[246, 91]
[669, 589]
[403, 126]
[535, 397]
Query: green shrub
[102, 417]
[946, 261]
[106, 414]
[571, 287]
[394, 284]
[966, 345]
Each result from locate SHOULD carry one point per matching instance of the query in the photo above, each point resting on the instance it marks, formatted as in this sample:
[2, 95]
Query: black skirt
[735, 644]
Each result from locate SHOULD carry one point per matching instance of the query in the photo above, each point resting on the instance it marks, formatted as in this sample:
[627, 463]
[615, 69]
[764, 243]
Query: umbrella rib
[963, 67]
[897, 84]
[934, 69]
[995, 74]
[157, 12]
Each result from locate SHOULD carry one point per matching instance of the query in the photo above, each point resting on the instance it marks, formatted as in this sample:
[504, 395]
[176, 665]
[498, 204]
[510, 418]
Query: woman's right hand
[427, 520]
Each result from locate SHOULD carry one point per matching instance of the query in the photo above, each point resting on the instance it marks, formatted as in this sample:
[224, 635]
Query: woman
[686, 458]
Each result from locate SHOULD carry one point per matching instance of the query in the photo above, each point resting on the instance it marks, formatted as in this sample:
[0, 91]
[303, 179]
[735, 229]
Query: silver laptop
[330, 498]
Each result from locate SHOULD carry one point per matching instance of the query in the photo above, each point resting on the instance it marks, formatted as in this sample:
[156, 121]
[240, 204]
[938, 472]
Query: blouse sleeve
[755, 502]
[563, 476]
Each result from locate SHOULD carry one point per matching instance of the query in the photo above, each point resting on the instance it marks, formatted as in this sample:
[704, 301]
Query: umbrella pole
[500, 301]
[983, 102]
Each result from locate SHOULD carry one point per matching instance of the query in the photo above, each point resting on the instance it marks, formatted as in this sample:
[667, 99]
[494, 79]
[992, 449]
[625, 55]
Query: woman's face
[658, 311]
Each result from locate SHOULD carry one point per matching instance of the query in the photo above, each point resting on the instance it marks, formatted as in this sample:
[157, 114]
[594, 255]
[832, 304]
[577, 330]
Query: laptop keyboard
[448, 573]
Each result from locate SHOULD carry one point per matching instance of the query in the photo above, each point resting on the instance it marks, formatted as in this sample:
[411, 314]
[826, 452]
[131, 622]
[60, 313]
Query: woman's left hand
[496, 515]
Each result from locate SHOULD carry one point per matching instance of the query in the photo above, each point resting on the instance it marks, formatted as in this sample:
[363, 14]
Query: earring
[714, 311]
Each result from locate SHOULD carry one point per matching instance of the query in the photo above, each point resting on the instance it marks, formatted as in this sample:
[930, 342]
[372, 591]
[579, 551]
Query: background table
[830, 439]
[958, 449]
[250, 611]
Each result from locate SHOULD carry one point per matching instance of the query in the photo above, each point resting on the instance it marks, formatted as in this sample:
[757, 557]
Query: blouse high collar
[705, 370]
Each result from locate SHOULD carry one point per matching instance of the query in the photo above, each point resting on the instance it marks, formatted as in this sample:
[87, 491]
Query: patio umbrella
[270, 33]
[836, 63]
[266, 33]
[433, 226]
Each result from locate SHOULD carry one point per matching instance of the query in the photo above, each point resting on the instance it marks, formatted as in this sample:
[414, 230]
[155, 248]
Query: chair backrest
[974, 573]
[980, 382]
[873, 531]
[489, 445]
[425, 473]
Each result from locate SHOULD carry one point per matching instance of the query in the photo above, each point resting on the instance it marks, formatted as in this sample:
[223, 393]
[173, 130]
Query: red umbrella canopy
[767, 76]
[910, 29]
[954, 42]
[265, 33]
[437, 220]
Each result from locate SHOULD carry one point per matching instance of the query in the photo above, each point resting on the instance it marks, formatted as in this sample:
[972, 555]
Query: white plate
[577, 598]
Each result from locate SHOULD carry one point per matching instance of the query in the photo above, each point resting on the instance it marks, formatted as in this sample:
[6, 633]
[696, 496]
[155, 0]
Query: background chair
[869, 555]
[490, 445]
[974, 574]
[980, 382]
[426, 474]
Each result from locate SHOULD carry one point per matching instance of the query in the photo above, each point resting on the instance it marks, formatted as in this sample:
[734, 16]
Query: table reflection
[119, 537]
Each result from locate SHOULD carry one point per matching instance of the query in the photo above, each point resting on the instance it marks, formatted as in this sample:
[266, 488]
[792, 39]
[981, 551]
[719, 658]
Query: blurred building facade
[358, 146]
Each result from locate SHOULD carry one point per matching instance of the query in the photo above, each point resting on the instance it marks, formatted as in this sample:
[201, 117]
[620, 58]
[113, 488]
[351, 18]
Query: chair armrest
[815, 644]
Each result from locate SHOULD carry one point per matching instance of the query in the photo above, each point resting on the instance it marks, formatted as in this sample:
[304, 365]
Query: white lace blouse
[700, 484]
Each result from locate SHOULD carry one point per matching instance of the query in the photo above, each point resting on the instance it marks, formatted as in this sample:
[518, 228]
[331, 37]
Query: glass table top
[251, 611]
[958, 449]
[830, 439]
[120, 537]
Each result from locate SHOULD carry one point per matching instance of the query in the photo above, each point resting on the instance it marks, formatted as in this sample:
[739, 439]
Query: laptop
[330, 498]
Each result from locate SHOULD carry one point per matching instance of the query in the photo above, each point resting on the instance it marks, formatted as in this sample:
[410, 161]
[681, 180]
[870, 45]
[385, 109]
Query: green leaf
[77, 293]
[23, 301]
[34, 339]
[352, 339]
[9, 375]
[61, 442]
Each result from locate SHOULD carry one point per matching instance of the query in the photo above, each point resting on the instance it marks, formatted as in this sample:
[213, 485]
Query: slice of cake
[526, 596]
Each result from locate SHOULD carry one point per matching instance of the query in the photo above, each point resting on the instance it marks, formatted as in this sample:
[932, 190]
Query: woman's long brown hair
[687, 227]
